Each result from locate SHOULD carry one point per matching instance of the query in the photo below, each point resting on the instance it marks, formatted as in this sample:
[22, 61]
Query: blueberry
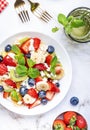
[42, 94]
[1, 58]
[57, 84]
[23, 90]
[31, 82]
[50, 49]
[74, 101]
[28, 55]
[44, 101]
[8, 48]
[1, 88]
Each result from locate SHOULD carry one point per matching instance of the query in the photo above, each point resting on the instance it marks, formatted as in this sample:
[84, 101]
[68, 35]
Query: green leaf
[30, 63]
[53, 64]
[68, 29]
[62, 19]
[70, 18]
[55, 29]
[33, 72]
[77, 23]
[14, 96]
[20, 59]
[21, 70]
[21, 41]
[16, 49]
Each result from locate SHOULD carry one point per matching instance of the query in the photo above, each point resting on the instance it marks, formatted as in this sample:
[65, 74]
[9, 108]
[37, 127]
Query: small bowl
[69, 120]
[81, 34]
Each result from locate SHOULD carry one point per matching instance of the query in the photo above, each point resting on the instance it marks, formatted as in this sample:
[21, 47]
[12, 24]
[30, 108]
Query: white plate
[65, 82]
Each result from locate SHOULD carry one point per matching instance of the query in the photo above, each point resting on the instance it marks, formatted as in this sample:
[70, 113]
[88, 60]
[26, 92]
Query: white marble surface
[80, 59]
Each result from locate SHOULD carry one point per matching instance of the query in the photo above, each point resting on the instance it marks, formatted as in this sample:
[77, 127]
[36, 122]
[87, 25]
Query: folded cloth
[3, 4]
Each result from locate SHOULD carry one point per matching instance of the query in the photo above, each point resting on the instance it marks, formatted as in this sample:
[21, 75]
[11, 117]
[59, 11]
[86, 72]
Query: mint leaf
[33, 72]
[68, 29]
[16, 49]
[53, 64]
[55, 29]
[70, 18]
[77, 23]
[21, 70]
[30, 63]
[20, 59]
[62, 19]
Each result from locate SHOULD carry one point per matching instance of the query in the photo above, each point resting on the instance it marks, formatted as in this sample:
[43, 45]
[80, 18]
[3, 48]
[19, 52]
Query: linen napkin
[3, 4]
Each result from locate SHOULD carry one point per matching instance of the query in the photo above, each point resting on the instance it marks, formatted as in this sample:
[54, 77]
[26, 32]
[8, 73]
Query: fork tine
[27, 15]
[19, 14]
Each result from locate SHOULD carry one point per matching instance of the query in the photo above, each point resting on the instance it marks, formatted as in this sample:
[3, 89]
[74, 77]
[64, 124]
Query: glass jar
[81, 34]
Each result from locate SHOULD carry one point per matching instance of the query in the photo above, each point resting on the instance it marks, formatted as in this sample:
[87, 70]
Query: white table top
[80, 59]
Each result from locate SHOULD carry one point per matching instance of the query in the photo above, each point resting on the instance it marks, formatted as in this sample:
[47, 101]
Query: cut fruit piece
[50, 95]
[15, 77]
[42, 86]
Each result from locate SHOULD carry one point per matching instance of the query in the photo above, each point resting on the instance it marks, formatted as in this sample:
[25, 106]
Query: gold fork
[19, 5]
[40, 13]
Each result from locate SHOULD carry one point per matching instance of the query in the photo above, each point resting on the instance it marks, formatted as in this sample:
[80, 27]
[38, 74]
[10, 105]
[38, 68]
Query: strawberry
[6, 94]
[81, 122]
[32, 92]
[3, 69]
[40, 66]
[68, 128]
[70, 117]
[53, 87]
[38, 79]
[10, 83]
[48, 59]
[25, 47]
[59, 124]
[36, 43]
[58, 69]
[7, 60]
[36, 103]
[50, 95]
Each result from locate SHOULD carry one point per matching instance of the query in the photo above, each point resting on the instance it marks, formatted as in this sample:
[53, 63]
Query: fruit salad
[30, 72]
[70, 120]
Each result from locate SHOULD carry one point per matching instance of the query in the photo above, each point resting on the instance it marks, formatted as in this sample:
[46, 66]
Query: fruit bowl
[70, 120]
[64, 82]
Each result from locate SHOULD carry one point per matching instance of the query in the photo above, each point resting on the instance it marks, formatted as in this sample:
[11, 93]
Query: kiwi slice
[15, 77]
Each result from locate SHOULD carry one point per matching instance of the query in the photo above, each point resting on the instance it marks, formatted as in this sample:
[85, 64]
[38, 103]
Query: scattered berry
[1, 88]
[57, 84]
[31, 82]
[23, 90]
[74, 100]
[44, 101]
[42, 94]
[8, 48]
[1, 58]
[50, 49]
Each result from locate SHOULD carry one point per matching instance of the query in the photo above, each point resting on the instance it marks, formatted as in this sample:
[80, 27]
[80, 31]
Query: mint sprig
[68, 23]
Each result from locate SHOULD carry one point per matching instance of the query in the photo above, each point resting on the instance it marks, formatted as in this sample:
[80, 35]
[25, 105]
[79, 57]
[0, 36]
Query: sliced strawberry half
[38, 79]
[3, 69]
[53, 87]
[25, 47]
[6, 94]
[36, 43]
[32, 92]
[50, 95]
[36, 103]
[10, 83]
[7, 60]
[48, 59]
[40, 66]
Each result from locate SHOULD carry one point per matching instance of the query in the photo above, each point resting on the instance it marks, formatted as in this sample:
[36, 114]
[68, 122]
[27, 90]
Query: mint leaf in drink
[70, 18]
[68, 29]
[62, 19]
[55, 29]
[21, 70]
[77, 23]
